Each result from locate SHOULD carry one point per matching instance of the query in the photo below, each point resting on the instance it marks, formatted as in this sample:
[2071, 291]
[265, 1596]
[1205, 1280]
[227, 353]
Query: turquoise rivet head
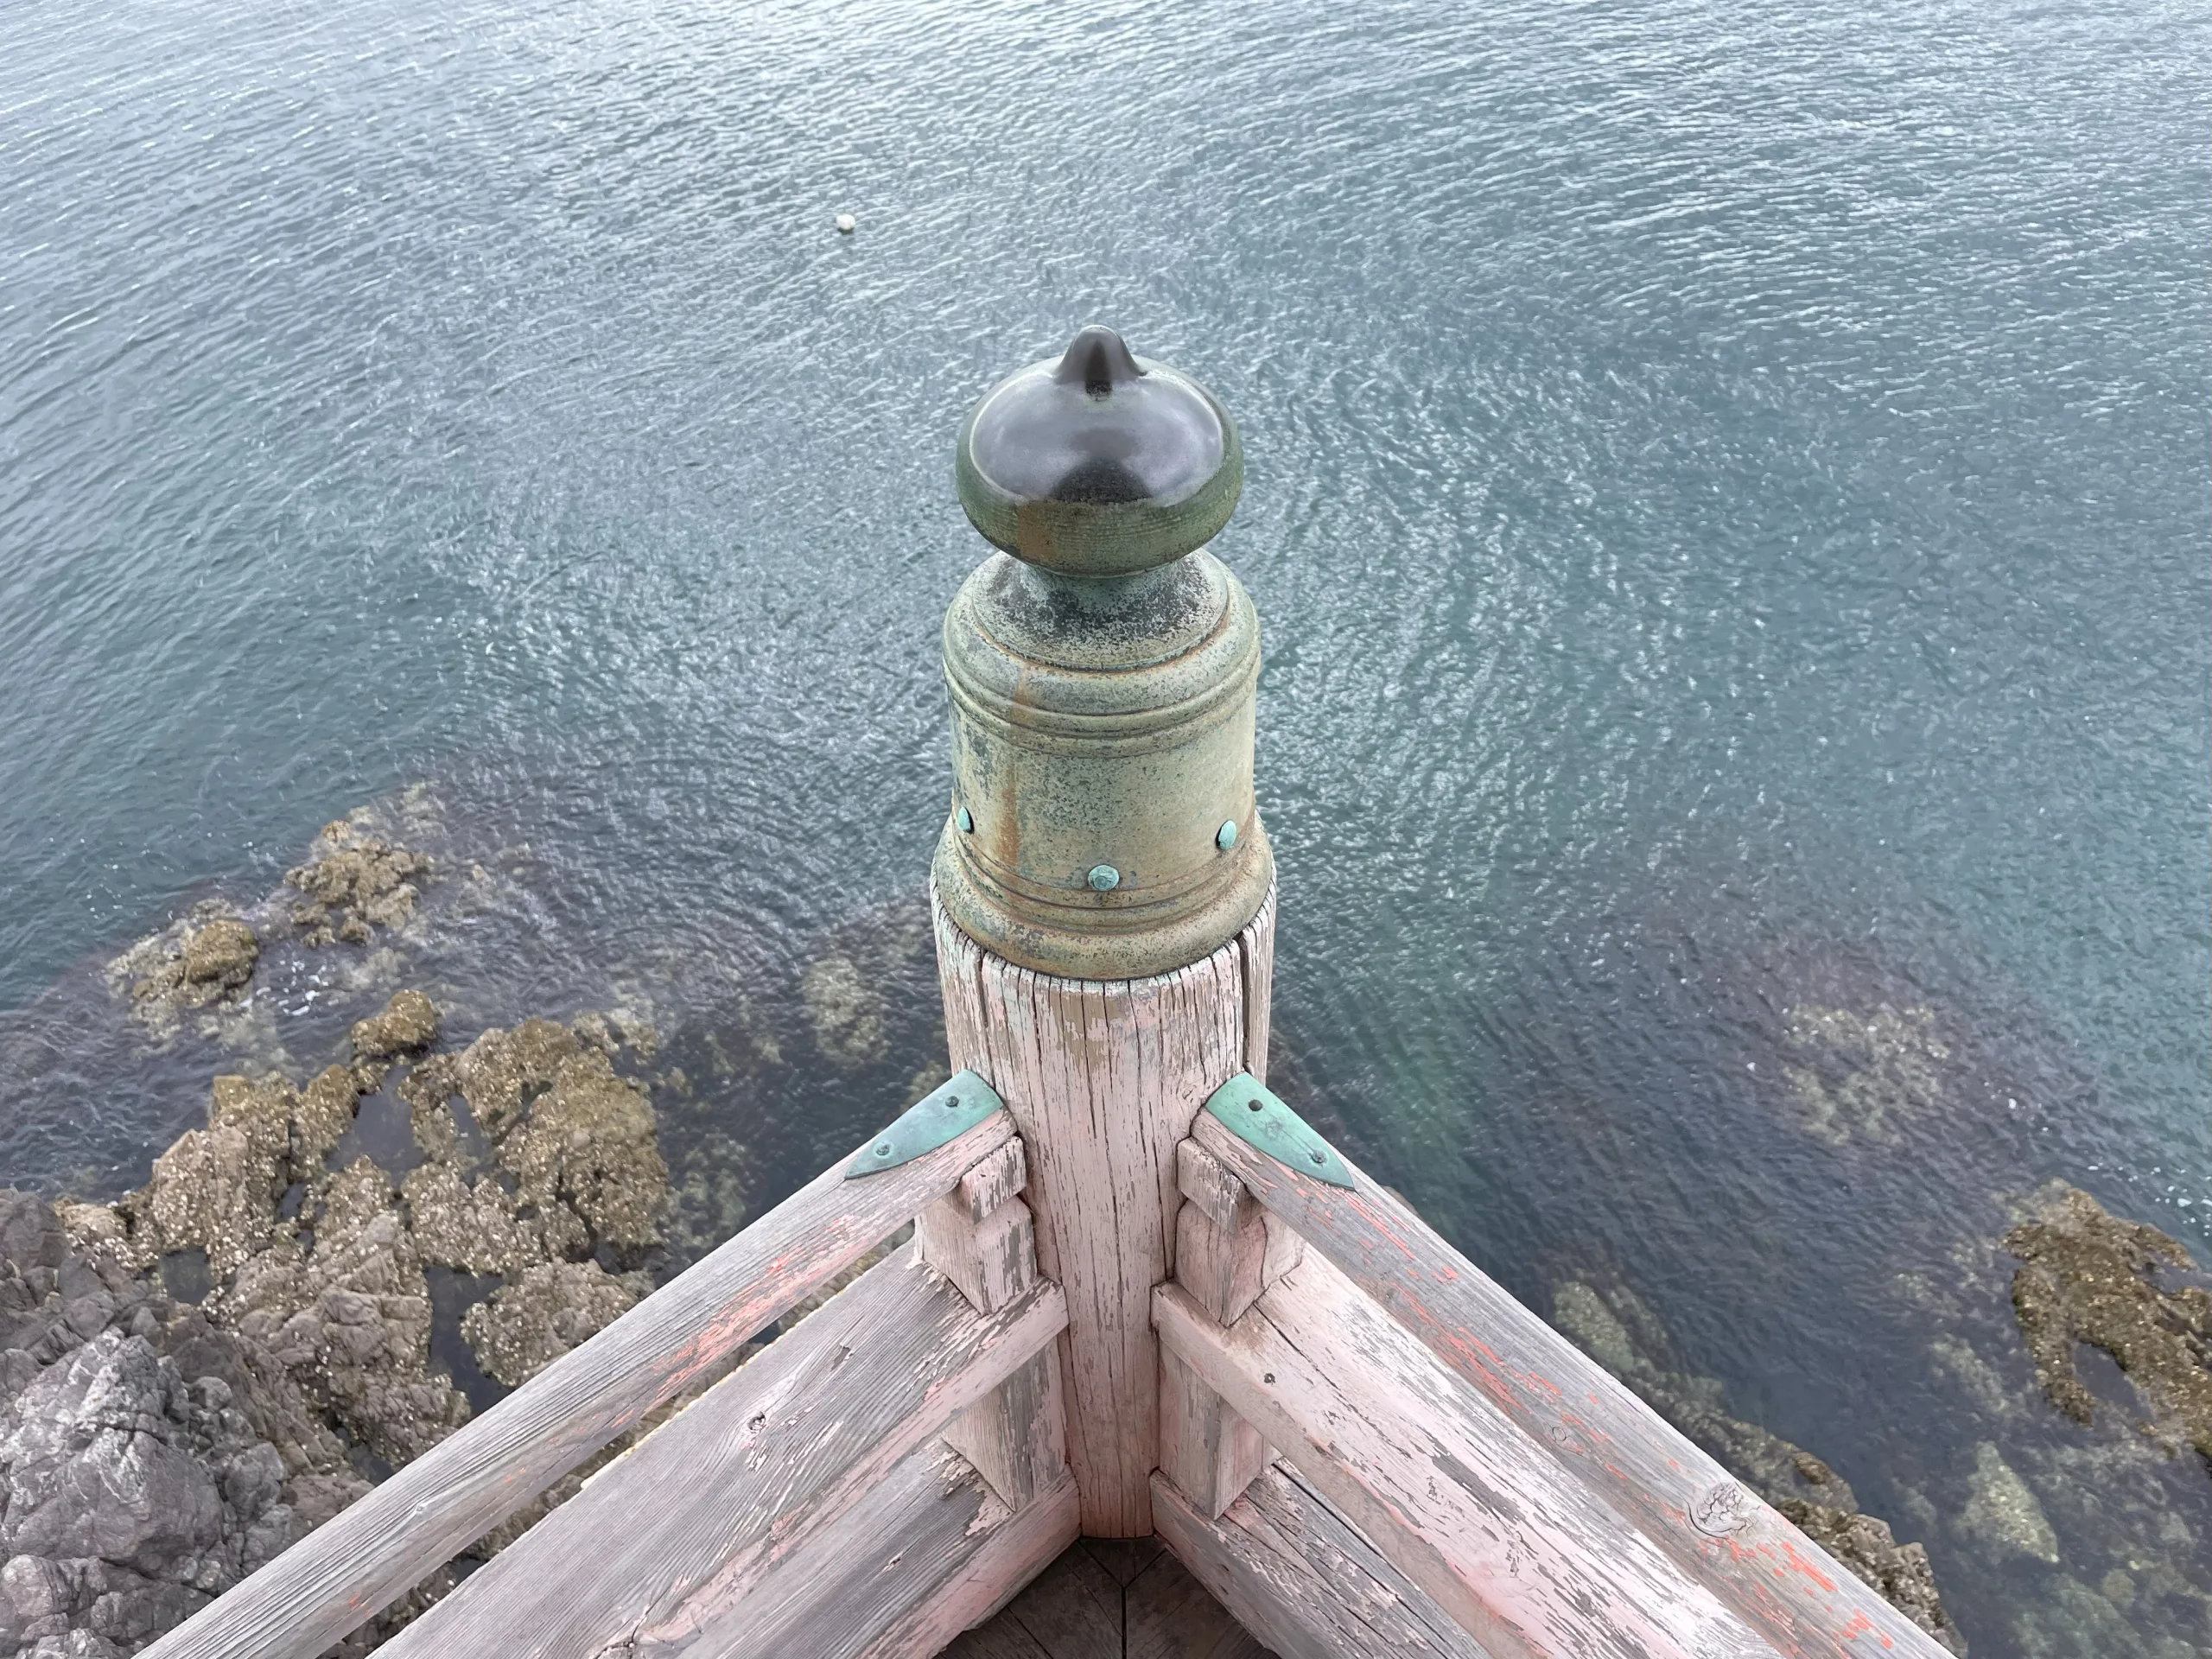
[1104, 878]
[965, 820]
[1225, 837]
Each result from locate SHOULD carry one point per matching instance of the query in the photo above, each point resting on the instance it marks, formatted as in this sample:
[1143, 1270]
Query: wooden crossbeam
[1708, 1523]
[674, 1535]
[1301, 1578]
[1519, 1553]
[931, 1551]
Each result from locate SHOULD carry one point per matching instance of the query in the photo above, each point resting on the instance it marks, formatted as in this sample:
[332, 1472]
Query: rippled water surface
[1728, 497]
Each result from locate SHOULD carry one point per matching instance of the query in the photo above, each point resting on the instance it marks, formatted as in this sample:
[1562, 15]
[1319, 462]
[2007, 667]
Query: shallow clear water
[1728, 498]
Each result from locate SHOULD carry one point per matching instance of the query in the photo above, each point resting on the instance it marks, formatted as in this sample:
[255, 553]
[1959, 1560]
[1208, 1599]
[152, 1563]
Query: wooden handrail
[1800, 1600]
[1520, 1553]
[668, 1542]
[339, 1575]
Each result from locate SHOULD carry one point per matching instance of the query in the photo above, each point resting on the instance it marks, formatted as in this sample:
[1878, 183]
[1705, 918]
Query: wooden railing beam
[1518, 1553]
[346, 1571]
[671, 1538]
[931, 1550]
[1708, 1523]
[1301, 1578]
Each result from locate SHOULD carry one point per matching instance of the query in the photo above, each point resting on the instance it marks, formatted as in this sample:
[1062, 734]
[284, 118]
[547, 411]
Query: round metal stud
[1225, 837]
[966, 820]
[1104, 878]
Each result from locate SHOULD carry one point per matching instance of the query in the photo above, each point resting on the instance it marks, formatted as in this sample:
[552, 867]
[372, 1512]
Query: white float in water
[847, 224]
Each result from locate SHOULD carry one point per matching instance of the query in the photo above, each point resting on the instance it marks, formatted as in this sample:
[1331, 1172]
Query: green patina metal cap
[1099, 462]
[1102, 672]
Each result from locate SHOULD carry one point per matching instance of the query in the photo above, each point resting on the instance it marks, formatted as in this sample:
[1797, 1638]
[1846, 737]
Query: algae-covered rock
[354, 881]
[469, 1224]
[203, 960]
[216, 1189]
[588, 1146]
[221, 954]
[528, 1324]
[408, 1024]
[2089, 1277]
[351, 1317]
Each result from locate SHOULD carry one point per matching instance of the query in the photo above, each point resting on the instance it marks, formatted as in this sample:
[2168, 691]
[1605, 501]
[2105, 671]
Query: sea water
[1728, 500]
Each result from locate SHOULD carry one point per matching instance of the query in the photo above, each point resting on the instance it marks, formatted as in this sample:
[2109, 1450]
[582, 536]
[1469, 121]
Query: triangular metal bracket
[950, 1109]
[1247, 1109]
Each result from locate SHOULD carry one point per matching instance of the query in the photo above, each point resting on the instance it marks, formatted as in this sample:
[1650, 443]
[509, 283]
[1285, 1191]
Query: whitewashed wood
[671, 1536]
[1012, 1556]
[933, 1535]
[1103, 1078]
[1516, 1551]
[1205, 1448]
[1207, 1182]
[1708, 1523]
[1016, 1435]
[1221, 1267]
[991, 1261]
[994, 1180]
[348, 1569]
[1302, 1578]
[1256, 947]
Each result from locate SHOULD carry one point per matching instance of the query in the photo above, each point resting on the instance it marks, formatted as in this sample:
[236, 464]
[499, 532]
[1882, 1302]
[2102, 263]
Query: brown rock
[409, 1023]
[222, 953]
[529, 1325]
[2087, 1277]
[354, 882]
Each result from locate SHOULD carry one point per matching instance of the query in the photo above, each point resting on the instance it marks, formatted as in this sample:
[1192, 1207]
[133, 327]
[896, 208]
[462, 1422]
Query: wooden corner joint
[982, 1236]
[1228, 1249]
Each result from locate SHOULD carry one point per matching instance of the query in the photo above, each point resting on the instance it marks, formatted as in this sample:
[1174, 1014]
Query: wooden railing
[342, 1574]
[1365, 1446]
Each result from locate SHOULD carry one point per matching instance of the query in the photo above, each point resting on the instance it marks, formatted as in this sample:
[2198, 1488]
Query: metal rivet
[1225, 837]
[1268, 1377]
[883, 1151]
[965, 820]
[1104, 878]
[1254, 1104]
[952, 1103]
[1317, 1157]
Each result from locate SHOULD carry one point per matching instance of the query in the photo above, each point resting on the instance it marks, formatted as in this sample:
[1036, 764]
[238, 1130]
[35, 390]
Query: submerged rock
[1857, 1075]
[2087, 1277]
[206, 958]
[1616, 1328]
[2002, 1512]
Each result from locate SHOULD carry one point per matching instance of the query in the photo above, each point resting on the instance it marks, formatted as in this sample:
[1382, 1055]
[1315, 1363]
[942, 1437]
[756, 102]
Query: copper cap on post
[1102, 677]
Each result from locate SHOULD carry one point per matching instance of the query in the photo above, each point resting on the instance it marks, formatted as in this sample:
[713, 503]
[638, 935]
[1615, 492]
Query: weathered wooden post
[1103, 890]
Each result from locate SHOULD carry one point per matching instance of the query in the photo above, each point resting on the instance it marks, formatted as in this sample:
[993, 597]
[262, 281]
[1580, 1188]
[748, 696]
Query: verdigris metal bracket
[1247, 1109]
[948, 1110]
